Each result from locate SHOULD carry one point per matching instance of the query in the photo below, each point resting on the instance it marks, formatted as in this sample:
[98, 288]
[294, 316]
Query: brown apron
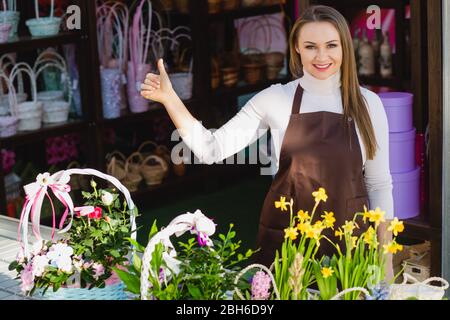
[319, 149]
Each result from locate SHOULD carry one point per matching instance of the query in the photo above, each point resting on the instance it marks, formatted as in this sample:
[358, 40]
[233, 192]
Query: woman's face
[320, 49]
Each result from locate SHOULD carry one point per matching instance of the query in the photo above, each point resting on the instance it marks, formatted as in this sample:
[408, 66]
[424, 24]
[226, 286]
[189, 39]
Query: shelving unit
[92, 126]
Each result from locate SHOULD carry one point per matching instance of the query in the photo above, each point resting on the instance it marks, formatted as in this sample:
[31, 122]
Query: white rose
[39, 264]
[107, 198]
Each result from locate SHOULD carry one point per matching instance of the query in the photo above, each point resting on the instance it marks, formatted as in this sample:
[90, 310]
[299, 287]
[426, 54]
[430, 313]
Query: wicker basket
[145, 154]
[134, 162]
[116, 168]
[29, 113]
[230, 76]
[182, 5]
[5, 29]
[132, 179]
[48, 26]
[214, 6]
[253, 72]
[11, 17]
[114, 288]
[230, 4]
[164, 152]
[154, 173]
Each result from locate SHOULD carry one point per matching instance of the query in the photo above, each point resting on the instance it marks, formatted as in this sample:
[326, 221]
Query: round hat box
[398, 106]
[402, 147]
[406, 193]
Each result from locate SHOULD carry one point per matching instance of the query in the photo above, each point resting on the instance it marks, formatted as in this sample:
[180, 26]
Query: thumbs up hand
[157, 87]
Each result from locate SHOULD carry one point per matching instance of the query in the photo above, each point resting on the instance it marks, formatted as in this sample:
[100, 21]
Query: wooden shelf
[26, 43]
[419, 228]
[45, 132]
[245, 88]
[382, 82]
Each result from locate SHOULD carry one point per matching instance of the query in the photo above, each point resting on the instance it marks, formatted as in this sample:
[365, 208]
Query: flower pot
[48, 26]
[135, 79]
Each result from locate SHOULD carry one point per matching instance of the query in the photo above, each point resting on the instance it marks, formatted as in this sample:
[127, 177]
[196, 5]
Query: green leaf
[137, 245]
[137, 262]
[195, 292]
[13, 265]
[115, 253]
[132, 282]
[153, 230]
[86, 195]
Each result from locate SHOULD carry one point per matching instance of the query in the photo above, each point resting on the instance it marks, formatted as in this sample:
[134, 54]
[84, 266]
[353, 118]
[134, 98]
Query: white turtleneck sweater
[271, 109]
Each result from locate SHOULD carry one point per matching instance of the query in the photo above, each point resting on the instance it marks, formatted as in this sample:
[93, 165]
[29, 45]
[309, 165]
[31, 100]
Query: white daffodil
[107, 198]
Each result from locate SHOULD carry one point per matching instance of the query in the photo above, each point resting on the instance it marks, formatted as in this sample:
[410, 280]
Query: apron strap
[297, 100]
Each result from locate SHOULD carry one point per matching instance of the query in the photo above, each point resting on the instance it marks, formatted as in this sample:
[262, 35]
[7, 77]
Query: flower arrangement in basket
[358, 267]
[78, 264]
[47, 26]
[200, 268]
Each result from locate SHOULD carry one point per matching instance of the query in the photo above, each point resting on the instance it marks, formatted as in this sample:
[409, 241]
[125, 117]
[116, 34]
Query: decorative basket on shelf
[47, 26]
[9, 16]
[182, 80]
[155, 172]
[134, 162]
[56, 110]
[116, 165]
[79, 181]
[145, 154]
[7, 62]
[112, 37]
[8, 122]
[230, 76]
[58, 183]
[253, 65]
[28, 112]
[229, 5]
[132, 179]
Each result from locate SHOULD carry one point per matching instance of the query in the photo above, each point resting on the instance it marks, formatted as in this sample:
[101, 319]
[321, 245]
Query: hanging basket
[154, 173]
[12, 18]
[40, 27]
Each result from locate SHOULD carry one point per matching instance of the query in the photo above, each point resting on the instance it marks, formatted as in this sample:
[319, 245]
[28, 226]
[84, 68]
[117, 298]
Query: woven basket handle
[131, 159]
[252, 266]
[146, 143]
[49, 56]
[63, 72]
[24, 67]
[160, 160]
[109, 156]
[342, 293]
[407, 276]
[11, 94]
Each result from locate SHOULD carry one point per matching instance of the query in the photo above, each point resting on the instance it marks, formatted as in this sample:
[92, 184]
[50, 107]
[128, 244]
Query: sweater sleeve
[377, 173]
[248, 125]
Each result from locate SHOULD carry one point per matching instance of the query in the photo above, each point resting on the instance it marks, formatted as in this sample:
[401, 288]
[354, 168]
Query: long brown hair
[353, 103]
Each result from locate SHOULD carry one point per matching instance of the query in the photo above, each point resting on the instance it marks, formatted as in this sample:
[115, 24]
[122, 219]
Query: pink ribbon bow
[35, 193]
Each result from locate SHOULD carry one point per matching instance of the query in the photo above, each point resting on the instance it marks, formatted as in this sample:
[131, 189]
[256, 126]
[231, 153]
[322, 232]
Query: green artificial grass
[239, 204]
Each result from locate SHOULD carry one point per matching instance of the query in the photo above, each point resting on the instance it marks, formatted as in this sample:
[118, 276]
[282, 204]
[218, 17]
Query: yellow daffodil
[339, 233]
[320, 195]
[369, 236]
[326, 272]
[290, 233]
[366, 214]
[348, 227]
[303, 226]
[377, 216]
[313, 232]
[328, 219]
[281, 204]
[303, 215]
[392, 247]
[396, 226]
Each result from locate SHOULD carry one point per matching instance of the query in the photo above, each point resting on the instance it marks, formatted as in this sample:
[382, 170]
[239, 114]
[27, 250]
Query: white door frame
[446, 142]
